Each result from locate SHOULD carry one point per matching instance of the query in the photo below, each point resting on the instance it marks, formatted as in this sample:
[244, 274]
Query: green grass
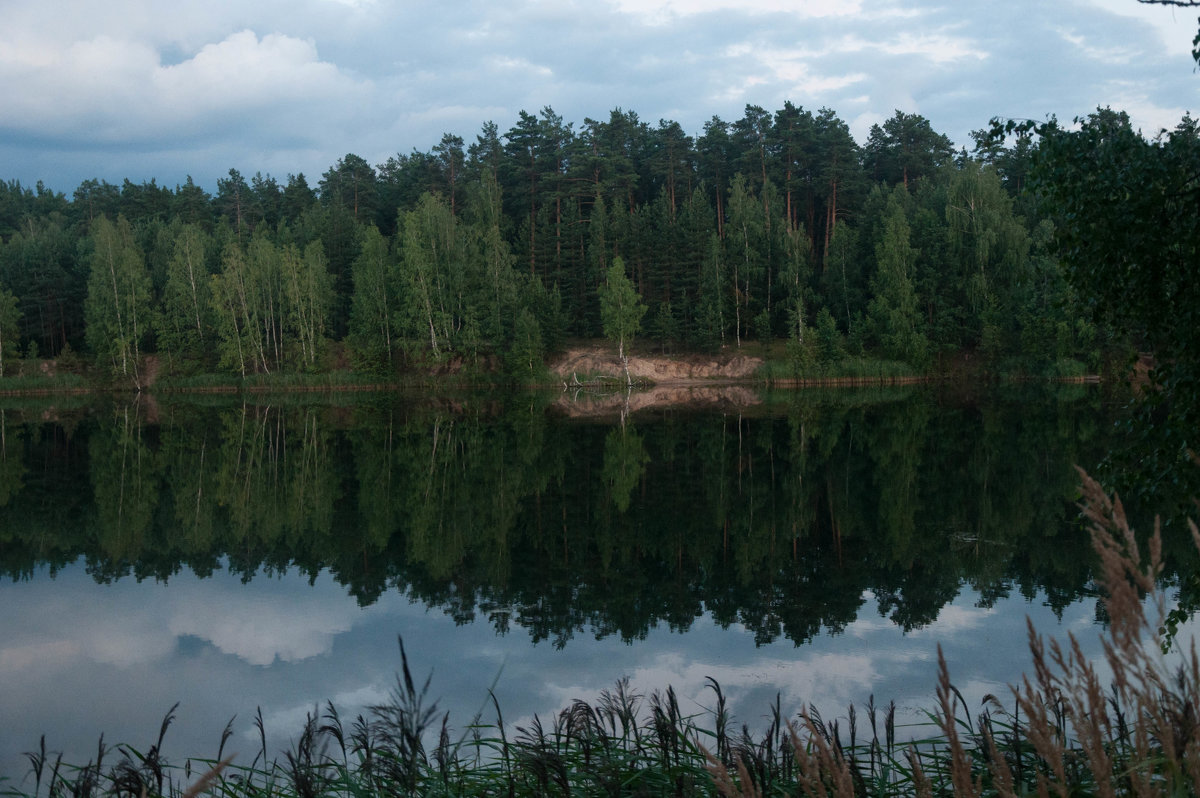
[331, 381]
[42, 383]
[849, 369]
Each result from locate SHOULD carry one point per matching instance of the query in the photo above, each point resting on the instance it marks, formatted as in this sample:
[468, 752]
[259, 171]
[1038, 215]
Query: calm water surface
[232, 556]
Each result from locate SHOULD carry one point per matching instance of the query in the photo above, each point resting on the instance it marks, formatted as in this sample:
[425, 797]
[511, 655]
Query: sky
[146, 90]
[286, 645]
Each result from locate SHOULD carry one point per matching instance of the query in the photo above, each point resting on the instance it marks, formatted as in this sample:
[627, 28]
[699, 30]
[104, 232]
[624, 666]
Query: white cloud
[939, 48]
[1173, 27]
[956, 619]
[255, 625]
[244, 70]
[120, 90]
[660, 12]
[62, 633]
[833, 679]
[509, 63]
[89, 90]
[1146, 114]
[1108, 55]
[792, 70]
[47, 654]
[262, 628]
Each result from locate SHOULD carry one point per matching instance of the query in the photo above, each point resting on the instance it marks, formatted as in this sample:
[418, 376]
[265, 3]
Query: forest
[774, 227]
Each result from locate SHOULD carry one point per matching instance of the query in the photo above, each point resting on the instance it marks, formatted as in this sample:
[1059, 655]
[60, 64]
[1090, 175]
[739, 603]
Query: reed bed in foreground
[1064, 730]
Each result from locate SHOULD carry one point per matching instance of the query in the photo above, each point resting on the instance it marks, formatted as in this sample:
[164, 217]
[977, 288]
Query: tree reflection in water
[779, 518]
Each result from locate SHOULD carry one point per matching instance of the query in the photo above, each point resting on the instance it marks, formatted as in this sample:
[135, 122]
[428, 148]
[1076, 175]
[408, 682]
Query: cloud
[246, 70]
[956, 618]
[1172, 27]
[661, 12]
[940, 48]
[1147, 114]
[139, 89]
[256, 624]
[521, 65]
[1107, 54]
[119, 90]
[264, 630]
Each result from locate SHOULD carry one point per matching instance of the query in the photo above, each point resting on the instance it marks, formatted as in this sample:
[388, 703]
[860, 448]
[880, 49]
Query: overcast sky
[140, 89]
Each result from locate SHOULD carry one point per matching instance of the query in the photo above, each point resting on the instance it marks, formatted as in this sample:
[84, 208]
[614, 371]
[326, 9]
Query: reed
[1061, 731]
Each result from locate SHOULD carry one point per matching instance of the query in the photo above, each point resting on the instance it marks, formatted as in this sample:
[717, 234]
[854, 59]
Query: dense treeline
[777, 225]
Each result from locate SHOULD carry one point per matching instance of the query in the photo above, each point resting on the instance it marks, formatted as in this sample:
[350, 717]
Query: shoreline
[581, 366]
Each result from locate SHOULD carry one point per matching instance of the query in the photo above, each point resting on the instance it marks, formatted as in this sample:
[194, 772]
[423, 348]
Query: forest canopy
[778, 225]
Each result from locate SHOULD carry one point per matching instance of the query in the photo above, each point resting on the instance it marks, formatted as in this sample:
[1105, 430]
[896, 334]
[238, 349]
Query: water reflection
[277, 550]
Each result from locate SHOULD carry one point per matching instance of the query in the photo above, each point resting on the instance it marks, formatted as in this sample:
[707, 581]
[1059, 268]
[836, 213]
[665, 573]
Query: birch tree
[621, 310]
[117, 309]
[185, 319]
[430, 247]
[233, 312]
[308, 290]
[376, 299]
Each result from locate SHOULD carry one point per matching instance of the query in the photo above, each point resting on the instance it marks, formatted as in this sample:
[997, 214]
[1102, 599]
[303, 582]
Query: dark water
[231, 556]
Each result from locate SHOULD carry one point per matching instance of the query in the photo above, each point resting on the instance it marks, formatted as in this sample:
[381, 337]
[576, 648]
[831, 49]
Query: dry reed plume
[1067, 734]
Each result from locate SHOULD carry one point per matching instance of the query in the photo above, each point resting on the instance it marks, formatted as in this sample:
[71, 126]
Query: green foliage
[458, 288]
[45, 264]
[125, 485]
[308, 291]
[375, 303]
[748, 256]
[525, 354]
[665, 326]
[10, 320]
[625, 460]
[827, 338]
[1127, 234]
[621, 308]
[905, 149]
[780, 214]
[711, 319]
[185, 317]
[232, 310]
[893, 310]
[547, 306]
[118, 299]
[986, 257]
[1125, 224]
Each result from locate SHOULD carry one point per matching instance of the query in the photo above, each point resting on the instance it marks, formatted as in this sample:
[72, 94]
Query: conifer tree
[893, 311]
[10, 318]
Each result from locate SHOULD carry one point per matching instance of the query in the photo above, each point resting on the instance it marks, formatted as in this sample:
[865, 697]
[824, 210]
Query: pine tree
[10, 318]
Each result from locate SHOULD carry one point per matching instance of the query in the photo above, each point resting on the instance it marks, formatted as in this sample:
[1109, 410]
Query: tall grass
[42, 384]
[846, 371]
[1066, 732]
[1063, 730]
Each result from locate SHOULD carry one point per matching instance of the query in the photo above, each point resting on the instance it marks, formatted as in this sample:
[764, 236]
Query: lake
[267, 555]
